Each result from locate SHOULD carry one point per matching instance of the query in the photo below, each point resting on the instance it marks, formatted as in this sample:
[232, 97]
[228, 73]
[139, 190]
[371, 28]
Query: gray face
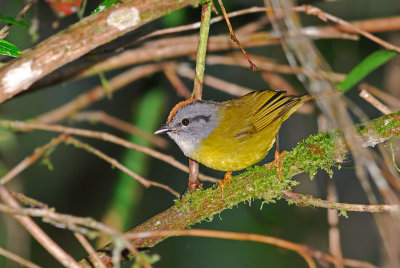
[191, 124]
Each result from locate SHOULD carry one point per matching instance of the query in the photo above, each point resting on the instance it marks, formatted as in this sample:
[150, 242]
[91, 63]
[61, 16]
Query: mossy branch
[319, 151]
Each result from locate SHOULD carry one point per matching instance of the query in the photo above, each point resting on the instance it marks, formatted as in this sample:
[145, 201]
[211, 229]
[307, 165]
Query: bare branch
[306, 200]
[90, 250]
[55, 250]
[26, 126]
[31, 159]
[311, 10]
[306, 252]
[97, 93]
[17, 259]
[374, 102]
[147, 183]
[78, 40]
[100, 116]
[302, 250]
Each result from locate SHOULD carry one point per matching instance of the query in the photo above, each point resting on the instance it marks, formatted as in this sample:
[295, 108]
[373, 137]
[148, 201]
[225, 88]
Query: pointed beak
[163, 130]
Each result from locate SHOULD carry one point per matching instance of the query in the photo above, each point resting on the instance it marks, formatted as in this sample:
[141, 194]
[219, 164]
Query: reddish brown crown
[178, 106]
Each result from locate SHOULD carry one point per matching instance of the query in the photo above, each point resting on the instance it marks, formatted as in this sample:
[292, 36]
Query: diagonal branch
[319, 151]
[307, 200]
[79, 39]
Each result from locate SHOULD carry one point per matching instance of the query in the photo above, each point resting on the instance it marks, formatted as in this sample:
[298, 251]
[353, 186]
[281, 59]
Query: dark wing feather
[263, 108]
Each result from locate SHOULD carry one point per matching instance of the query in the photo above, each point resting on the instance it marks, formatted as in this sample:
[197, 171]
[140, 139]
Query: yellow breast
[247, 129]
[224, 150]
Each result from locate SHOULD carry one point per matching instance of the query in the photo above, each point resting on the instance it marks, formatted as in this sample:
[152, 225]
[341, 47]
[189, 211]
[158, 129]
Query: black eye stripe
[202, 117]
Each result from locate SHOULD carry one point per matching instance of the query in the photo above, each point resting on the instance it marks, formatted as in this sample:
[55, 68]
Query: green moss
[316, 152]
[387, 126]
[319, 151]
[256, 182]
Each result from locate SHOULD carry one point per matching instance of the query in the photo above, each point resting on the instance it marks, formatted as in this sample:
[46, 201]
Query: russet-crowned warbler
[233, 134]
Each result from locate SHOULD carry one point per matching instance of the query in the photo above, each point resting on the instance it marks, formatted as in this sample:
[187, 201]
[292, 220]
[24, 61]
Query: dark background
[83, 185]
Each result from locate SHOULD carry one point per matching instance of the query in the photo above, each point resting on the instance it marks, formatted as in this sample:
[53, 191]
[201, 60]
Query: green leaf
[8, 49]
[104, 5]
[14, 21]
[369, 64]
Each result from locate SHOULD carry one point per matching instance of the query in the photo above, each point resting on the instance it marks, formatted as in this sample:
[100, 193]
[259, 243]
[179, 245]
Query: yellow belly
[246, 131]
[222, 151]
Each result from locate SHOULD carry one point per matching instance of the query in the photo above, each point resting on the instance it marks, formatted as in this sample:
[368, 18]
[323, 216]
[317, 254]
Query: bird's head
[189, 122]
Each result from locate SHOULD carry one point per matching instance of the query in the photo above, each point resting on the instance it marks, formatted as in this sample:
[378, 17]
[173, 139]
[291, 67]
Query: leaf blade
[9, 49]
[369, 64]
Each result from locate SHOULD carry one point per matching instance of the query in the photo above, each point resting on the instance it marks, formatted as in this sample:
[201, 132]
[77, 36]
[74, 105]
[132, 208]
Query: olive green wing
[259, 109]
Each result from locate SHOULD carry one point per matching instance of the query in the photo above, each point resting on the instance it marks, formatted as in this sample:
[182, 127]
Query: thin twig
[38, 152]
[90, 250]
[21, 261]
[20, 15]
[28, 126]
[269, 65]
[196, 25]
[387, 98]
[306, 200]
[170, 70]
[76, 224]
[299, 248]
[253, 67]
[222, 85]
[100, 116]
[98, 93]
[311, 10]
[146, 183]
[374, 102]
[306, 252]
[55, 250]
[333, 221]
[373, 25]
[28, 201]
[173, 47]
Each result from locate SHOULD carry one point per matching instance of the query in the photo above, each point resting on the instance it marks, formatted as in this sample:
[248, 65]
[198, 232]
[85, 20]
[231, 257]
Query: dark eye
[185, 121]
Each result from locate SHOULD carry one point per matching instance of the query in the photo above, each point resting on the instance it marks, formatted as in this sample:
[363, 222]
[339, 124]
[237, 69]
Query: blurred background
[76, 182]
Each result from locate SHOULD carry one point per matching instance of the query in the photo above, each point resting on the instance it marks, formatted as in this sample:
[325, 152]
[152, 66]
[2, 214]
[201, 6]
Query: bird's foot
[226, 180]
[278, 163]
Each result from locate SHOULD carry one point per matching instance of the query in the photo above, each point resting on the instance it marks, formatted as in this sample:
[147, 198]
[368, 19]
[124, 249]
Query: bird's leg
[278, 160]
[226, 180]
[193, 182]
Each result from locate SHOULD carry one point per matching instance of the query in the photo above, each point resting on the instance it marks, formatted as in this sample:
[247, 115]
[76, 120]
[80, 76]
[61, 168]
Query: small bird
[230, 135]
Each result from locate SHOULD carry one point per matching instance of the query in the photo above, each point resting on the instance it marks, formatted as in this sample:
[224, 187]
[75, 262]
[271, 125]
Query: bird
[234, 134]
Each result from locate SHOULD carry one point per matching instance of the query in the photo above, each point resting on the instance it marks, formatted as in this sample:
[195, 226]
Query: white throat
[187, 145]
